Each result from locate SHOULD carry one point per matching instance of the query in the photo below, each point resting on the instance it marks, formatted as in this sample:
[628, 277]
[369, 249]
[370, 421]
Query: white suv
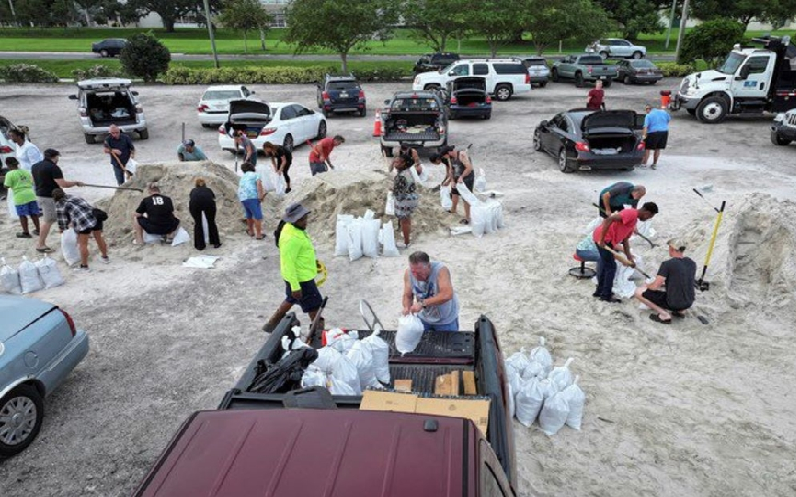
[504, 77]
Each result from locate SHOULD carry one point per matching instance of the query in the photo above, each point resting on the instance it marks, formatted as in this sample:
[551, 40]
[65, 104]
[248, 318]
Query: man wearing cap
[298, 267]
[677, 275]
[189, 151]
[119, 146]
[47, 176]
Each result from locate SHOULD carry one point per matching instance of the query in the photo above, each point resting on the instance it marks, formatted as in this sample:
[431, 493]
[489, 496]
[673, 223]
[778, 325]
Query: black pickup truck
[415, 118]
[308, 442]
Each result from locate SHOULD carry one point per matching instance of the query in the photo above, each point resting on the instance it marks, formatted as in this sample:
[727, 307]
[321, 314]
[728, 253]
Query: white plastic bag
[466, 194]
[9, 278]
[369, 214]
[131, 166]
[339, 387]
[409, 333]
[280, 185]
[361, 356]
[529, 400]
[519, 361]
[389, 206]
[49, 273]
[445, 197]
[313, 377]
[29, 278]
[480, 181]
[151, 239]
[354, 239]
[480, 219]
[389, 249]
[205, 229]
[266, 171]
[562, 376]
[541, 355]
[370, 237]
[344, 371]
[341, 340]
[554, 414]
[69, 247]
[534, 370]
[327, 357]
[514, 378]
[180, 237]
[341, 241]
[512, 407]
[576, 399]
[380, 350]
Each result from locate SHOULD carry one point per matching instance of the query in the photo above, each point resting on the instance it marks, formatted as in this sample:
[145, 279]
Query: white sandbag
[480, 181]
[389, 248]
[529, 400]
[576, 399]
[339, 387]
[409, 333]
[495, 214]
[510, 401]
[369, 214]
[389, 206]
[534, 370]
[266, 172]
[49, 273]
[341, 340]
[341, 240]
[554, 414]
[466, 194]
[327, 357]
[361, 356]
[354, 239]
[624, 286]
[12, 207]
[370, 237]
[69, 247]
[313, 377]
[519, 361]
[180, 237]
[131, 166]
[29, 278]
[280, 185]
[445, 197]
[343, 370]
[561, 376]
[514, 378]
[480, 219]
[205, 229]
[150, 239]
[422, 177]
[541, 355]
[380, 350]
[9, 277]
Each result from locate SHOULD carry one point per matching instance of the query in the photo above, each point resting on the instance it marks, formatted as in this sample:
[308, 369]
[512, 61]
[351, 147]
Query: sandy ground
[687, 409]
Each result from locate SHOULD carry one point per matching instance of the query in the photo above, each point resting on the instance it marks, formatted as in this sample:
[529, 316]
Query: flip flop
[611, 300]
[657, 319]
[262, 237]
[44, 250]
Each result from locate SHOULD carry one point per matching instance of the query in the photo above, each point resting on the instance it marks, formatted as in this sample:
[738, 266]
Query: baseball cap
[189, 143]
[677, 243]
[294, 212]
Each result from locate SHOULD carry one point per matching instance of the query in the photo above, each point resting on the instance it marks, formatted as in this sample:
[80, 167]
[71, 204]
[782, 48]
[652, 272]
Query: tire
[387, 151]
[603, 55]
[91, 139]
[637, 55]
[144, 134]
[431, 87]
[363, 112]
[777, 140]
[488, 116]
[626, 80]
[25, 404]
[205, 125]
[607, 83]
[321, 130]
[537, 140]
[563, 163]
[691, 112]
[288, 143]
[503, 92]
[712, 110]
[554, 75]
[579, 80]
[104, 54]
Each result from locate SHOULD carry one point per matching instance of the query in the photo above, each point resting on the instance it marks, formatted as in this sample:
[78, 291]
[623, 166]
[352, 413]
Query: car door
[462, 69]
[622, 69]
[288, 122]
[305, 121]
[755, 85]
[549, 139]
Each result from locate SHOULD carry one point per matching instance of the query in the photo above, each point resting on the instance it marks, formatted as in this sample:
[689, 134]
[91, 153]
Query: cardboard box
[373, 400]
[468, 377]
[403, 386]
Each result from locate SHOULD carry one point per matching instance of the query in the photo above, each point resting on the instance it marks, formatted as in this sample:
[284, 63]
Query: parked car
[7, 147]
[435, 61]
[414, 118]
[583, 68]
[617, 49]
[467, 97]
[213, 107]
[39, 347]
[341, 94]
[105, 101]
[638, 71]
[504, 77]
[109, 48]
[783, 131]
[584, 139]
[283, 123]
[538, 69]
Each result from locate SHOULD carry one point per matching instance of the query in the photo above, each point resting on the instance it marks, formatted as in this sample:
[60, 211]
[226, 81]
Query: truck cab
[750, 81]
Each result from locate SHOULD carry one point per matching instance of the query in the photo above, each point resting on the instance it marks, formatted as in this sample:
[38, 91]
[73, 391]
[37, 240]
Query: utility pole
[210, 30]
[13, 12]
[681, 34]
[671, 21]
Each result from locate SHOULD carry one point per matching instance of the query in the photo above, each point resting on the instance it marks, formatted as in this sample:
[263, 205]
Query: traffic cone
[377, 123]
[666, 97]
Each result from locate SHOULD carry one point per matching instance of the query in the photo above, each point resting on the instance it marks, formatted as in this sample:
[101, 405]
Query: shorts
[311, 299]
[47, 206]
[469, 182]
[318, 168]
[155, 229]
[29, 209]
[97, 227]
[657, 140]
[252, 208]
[658, 298]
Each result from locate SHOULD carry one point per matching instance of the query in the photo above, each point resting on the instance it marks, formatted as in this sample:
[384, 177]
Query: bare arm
[68, 184]
[260, 191]
[606, 203]
[626, 249]
[445, 293]
[468, 166]
[658, 283]
[408, 296]
[613, 218]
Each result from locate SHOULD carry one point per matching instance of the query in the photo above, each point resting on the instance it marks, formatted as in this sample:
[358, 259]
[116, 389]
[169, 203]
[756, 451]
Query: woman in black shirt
[203, 201]
[281, 159]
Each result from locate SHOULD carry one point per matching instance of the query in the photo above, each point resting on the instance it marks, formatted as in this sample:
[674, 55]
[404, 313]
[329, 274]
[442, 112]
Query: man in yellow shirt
[298, 266]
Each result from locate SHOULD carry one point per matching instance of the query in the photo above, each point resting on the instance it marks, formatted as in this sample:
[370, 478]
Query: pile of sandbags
[540, 391]
[486, 216]
[364, 237]
[30, 276]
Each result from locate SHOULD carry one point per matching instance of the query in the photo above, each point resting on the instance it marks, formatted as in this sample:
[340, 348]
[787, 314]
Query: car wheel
[543, 84]
[579, 80]
[563, 161]
[288, 143]
[637, 55]
[104, 54]
[626, 80]
[21, 412]
[778, 140]
[363, 112]
[503, 92]
[607, 83]
[554, 75]
[712, 110]
[90, 139]
[321, 130]
[144, 134]
[603, 55]
[205, 125]
[488, 116]
[537, 141]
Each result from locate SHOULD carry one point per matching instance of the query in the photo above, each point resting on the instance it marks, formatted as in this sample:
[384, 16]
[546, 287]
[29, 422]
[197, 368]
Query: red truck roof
[300, 452]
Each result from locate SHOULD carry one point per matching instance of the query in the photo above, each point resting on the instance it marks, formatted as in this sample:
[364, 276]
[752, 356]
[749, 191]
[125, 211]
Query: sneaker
[217, 245]
[105, 259]
[287, 190]
[81, 268]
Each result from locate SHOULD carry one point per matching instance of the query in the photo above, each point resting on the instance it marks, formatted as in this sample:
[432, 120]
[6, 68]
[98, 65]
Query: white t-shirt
[27, 155]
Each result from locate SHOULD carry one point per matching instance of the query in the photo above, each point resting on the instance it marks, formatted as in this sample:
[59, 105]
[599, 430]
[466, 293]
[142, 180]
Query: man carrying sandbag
[428, 292]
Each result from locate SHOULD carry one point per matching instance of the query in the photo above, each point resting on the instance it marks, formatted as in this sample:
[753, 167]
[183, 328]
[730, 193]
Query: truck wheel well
[720, 94]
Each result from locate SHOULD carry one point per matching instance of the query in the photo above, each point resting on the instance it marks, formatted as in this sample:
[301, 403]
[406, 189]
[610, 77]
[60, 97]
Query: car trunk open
[609, 119]
[611, 141]
[111, 107]
[410, 126]
[467, 92]
[248, 115]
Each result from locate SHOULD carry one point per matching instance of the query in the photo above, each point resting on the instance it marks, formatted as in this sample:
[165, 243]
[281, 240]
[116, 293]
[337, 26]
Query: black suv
[435, 61]
[109, 48]
[341, 94]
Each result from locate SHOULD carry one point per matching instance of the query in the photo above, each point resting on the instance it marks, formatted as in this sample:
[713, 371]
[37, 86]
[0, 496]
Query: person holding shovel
[677, 278]
[615, 229]
[121, 149]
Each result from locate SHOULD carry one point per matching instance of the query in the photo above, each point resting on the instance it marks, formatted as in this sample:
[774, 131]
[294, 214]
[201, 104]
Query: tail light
[454, 100]
[325, 95]
[82, 111]
[362, 94]
[69, 321]
[441, 130]
[589, 68]
[221, 130]
[5, 149]
[641, 146]
[139, 109]
[488, 99]
[202, 108]
[527, 78]
[267, 131]
[581, 146]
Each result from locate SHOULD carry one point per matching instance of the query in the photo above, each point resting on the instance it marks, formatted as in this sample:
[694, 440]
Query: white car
[213, 107]
[282, 123]
[7, 147]
[504, 77]
[617, 49]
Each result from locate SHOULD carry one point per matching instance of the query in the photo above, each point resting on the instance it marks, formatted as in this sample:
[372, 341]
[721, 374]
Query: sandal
[44, 250]
[261, 237]
[658, 319]
[24, 235]
[464, 221]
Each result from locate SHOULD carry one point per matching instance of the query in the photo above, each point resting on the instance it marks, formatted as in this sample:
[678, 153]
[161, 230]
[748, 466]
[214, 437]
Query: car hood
[19, 312]
[248, 107]
[609, 119]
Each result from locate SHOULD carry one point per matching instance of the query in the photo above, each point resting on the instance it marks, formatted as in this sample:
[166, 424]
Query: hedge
[672, 70]
[27, 73]
[178, 75]
[98, 71]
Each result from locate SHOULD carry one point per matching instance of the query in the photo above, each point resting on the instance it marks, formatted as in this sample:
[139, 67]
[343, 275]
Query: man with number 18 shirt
[155, 215]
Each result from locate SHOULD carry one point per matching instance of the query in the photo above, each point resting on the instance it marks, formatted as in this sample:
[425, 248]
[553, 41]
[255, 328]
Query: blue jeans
[454, 326]
[117, 171]
[318, 168]
[606, 271]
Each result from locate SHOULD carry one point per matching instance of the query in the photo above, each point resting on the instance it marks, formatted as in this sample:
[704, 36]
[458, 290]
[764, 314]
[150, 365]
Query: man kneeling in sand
[155, 215]
[677, 275]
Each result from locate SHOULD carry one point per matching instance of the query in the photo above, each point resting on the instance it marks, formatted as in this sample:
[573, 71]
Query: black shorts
[658, 298]
[469, 182]
[657, 140]
[96, 227]
[311, 298]
[157, 229]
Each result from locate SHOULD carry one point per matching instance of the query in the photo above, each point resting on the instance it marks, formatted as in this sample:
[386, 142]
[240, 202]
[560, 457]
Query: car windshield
[343, 85]
[221, 95]
[447, 68]
[733, 62]
[592, 61]
[642, 64]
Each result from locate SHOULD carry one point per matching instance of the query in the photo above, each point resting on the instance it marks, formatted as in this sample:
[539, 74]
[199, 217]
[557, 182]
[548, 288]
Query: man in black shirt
[120, 148]
[155, 215]
[677, 275]
[47, 176]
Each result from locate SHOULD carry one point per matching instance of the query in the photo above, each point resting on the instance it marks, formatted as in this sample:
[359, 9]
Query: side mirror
[135, 93]
[745, 71]
[451, 73]
[72, 97]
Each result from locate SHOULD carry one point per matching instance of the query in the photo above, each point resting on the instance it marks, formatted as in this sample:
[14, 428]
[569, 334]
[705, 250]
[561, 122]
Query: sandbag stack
[364, 237]
[486, 216]
[30, 277]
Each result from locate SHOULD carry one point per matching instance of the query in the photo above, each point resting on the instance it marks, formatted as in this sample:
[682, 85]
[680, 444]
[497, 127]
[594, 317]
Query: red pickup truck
[309, 443]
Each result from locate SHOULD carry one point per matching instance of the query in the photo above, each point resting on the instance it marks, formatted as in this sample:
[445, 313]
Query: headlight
[691, 92]
[779, 117]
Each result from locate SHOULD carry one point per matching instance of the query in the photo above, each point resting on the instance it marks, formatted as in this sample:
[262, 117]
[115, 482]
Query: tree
[435, 21]
[171, 10]
[246, 15]
[145, 57]
[635, 16]
[45, 13]
[711, 41]
[337, 26]
[498, 21]
[554, 20]
[775, 12]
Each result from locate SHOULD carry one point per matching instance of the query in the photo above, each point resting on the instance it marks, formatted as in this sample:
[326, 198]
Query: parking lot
[690, 409]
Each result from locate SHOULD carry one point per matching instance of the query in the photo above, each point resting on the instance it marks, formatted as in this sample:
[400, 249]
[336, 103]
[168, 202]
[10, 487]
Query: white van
[504, 77]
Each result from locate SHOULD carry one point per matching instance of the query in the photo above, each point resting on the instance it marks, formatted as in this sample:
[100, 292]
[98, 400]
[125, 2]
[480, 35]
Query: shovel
[115, 187]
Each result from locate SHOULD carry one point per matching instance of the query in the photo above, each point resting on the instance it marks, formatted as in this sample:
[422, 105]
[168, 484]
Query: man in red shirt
[319, 155]
[615, 229]
[596, 96]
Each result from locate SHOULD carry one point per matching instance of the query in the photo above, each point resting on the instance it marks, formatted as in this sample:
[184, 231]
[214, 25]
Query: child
[21, 183]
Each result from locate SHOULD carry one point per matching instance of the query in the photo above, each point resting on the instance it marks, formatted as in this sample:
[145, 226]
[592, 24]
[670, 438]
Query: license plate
[251, 134]
[585, 168]
[344, 94]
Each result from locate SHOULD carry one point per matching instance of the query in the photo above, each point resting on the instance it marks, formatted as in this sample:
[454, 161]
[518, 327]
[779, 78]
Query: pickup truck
[617, 48]
[582, 68]
[415, 118]
[308, 443]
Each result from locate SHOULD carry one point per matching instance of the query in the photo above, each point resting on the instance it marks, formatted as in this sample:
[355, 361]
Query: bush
[711, 41]
[27, 73]
[181, 75]
[672, 70]
[145, 57]
[383, 74]
[98, 71]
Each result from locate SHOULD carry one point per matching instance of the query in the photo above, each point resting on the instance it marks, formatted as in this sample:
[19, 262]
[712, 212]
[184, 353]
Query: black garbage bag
[285, 375]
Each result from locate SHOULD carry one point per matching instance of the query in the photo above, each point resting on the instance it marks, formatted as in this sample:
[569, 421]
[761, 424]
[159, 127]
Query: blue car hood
[18, 312]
